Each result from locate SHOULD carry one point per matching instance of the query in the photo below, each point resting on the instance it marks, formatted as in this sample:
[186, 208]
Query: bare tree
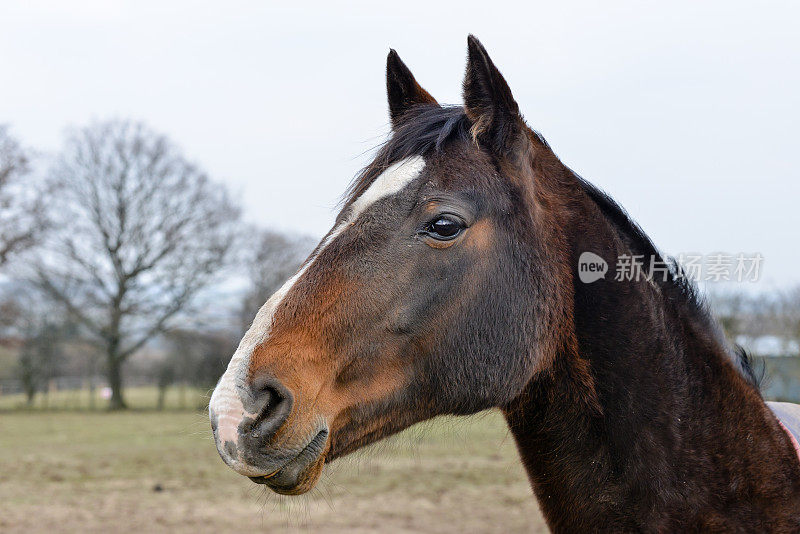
[746, 316]
[730, 308]
[195, 358]
[39, 330]
[788, 317]
[40, 356]
[21, 213]
[139, 232]
[275, 258]
[11, 313]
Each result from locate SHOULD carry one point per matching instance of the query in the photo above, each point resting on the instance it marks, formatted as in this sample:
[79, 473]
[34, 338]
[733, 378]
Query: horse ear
[402, 89]
[488, 101]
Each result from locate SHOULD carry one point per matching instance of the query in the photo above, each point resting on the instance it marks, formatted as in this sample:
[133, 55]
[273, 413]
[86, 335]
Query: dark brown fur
[630, 412]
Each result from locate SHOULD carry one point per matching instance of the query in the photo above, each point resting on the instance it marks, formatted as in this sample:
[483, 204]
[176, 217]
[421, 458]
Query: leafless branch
[21, 212]
[140, 231]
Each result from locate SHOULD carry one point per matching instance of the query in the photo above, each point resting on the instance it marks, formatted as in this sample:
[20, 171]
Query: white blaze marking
[226, 401]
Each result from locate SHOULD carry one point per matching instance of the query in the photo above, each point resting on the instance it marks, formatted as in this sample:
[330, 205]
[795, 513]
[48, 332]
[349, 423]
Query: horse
[449, 284]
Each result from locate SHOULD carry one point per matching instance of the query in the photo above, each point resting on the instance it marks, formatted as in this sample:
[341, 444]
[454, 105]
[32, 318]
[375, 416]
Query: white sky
[686, 112]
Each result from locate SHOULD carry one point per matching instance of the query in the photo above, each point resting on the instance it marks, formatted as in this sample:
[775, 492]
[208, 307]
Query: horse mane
[427, 128]
[678, 288]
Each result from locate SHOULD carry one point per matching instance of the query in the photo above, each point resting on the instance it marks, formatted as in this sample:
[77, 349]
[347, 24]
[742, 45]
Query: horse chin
[302, 473]
[290, 482]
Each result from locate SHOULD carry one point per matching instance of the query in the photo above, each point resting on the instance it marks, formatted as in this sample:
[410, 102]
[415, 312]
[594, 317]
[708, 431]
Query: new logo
[591, 267]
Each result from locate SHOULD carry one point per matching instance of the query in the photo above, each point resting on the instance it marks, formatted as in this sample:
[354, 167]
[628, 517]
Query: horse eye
[444, 228]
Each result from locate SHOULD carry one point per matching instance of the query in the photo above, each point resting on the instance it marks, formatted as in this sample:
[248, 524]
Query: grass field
[147, 471]
[138, 398]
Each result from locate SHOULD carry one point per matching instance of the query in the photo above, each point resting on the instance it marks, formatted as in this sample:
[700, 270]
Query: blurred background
[164, 167]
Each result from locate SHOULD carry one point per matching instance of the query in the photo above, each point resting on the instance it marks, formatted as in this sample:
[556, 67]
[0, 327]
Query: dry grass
[137, 398]
[101, 472]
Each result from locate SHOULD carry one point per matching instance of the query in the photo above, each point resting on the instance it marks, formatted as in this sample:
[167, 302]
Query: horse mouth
[299, 474]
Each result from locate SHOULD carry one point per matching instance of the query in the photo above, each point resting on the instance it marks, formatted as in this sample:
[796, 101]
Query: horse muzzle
[255, 437]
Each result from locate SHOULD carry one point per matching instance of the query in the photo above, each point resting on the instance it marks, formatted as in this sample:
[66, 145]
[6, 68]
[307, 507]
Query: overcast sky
[686, 112]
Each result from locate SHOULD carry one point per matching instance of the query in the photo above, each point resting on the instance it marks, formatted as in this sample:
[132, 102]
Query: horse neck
[642, 416]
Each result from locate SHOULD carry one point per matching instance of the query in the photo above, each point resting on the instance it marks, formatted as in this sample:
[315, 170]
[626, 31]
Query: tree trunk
[30, 393]
[92, 393]
[46, 395]
[182, 391]
[115, 382]
[162, 392]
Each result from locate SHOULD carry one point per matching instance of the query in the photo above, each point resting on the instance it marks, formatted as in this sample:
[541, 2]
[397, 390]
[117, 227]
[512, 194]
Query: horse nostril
[267, 404]
[272, 403]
